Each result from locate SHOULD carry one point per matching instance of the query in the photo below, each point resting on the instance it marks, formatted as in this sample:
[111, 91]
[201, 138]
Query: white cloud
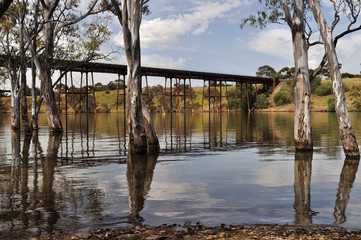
[275, 42]
[348, 50]
[163, 33]
[163, 61]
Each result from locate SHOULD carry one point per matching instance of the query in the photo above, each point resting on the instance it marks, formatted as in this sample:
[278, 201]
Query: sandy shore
[221, 232]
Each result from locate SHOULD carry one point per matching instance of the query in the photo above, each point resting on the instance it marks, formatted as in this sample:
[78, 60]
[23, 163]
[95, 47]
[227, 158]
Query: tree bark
[346, 131]
[302, 121]
[23, 101]
[302, 92]
[131, 19]
[152, 140]
[15, 100]
[4, 5]
[45, 73]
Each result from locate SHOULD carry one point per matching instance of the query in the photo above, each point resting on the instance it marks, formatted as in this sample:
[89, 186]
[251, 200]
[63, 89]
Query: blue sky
[205, 36]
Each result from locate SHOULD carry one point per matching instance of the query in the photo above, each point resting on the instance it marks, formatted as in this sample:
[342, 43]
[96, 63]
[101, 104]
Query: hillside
[106, 100]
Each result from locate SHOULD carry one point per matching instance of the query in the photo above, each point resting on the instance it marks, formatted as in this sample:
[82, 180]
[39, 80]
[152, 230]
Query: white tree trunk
[45, 75]
[302, 120]
[346, 131]
[139, 127]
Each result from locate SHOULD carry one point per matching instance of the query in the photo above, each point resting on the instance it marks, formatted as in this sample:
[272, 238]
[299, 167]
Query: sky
[205, 35]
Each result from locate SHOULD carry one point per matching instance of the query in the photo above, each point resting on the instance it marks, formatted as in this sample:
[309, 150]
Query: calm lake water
[229, 168]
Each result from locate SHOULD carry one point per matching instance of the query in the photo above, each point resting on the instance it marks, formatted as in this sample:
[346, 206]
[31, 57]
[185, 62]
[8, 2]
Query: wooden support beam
[87, 92]
[204, 84]
[227, 97]
[220, 93]
[191, 92]
[94, 99]
[59, 95]
[117, 92]
[81, 89]
[147, 87]
[124, 96]
[66, 94]
[184, 96]
[72, 91]
[171, 95]
[164, 93]
[235, 96]
[209, 95]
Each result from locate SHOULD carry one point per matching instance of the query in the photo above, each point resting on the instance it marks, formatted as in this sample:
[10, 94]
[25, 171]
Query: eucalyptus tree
[4, 5]
[10, 50]
[142, 135]
[58, 17]
[280, 12]
[352, 8]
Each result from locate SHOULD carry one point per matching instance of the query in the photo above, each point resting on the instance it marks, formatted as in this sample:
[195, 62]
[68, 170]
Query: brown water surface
[230, 168]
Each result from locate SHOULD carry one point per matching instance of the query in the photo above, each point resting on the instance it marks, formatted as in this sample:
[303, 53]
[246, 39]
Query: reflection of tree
[48, 178]
[139, 174]
[302, 205]
[347, 178]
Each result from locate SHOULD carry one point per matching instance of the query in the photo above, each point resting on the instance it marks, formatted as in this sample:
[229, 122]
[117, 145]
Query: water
[230, 168]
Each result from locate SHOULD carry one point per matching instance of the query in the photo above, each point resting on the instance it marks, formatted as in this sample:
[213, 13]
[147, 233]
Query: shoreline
[246, 231]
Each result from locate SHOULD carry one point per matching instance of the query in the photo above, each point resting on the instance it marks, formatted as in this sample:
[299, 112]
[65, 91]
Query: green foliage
[331, 104]
[266, 71]
[282, 98]
[286, 73]
[261, 102]
[324, 89]
[316, 82]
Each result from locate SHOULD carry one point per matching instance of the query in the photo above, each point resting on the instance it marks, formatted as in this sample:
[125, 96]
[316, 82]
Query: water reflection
[221, 167]
[347, 178]
[48, 193]
[140, 170]
[302, 204]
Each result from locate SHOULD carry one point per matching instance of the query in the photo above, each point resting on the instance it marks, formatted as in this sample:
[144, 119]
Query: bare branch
[74, 21]
[288, 18]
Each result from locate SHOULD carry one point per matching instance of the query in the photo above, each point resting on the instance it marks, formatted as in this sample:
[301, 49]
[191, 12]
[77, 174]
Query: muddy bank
[220, 232]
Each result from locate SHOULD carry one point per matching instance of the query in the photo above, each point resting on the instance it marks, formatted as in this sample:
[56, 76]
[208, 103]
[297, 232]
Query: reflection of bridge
[213, 79]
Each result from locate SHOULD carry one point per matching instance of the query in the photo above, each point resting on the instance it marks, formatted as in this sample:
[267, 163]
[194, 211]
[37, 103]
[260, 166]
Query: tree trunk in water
[302, 120]
[34, 112]
[15, 101]
[45, 76]
[131, 19]
[152, 140]
[346, 131]
[23, 101]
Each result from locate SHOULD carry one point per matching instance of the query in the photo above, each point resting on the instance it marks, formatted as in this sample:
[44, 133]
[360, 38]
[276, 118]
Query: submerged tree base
[304, 146]
[349, 143]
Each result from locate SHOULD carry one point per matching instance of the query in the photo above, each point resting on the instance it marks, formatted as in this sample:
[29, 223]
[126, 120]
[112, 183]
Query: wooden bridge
[212, 82]
[215, 81]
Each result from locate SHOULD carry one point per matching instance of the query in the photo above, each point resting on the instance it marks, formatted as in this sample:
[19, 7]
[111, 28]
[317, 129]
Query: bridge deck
[163, 72]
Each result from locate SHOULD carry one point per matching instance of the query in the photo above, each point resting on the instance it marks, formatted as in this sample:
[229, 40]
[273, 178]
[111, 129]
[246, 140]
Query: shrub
[358, 105]
[282, 98]
[331, 104]
[261, 102]
[316, 82]
[324, 89]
